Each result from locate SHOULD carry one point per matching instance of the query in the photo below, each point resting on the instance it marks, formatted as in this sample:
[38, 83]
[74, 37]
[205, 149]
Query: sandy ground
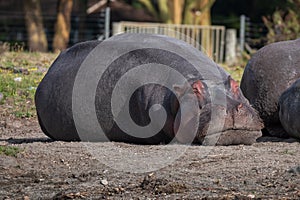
[49, 169]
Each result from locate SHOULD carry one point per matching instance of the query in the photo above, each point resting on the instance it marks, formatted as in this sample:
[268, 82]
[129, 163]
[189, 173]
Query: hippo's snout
[233, 122]
[246, 118]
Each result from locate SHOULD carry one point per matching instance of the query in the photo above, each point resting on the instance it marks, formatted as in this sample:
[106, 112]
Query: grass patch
[236, 72]
[9, 150]
[20, 74]
[18, 92]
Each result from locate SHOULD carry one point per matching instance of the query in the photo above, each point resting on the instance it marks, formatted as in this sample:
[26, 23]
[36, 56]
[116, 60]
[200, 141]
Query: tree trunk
[197, 12]
[176, 7]
[124, 11]
[63, 25]
[164, 11]
[205, 7]
[188, 13]
[37, 40]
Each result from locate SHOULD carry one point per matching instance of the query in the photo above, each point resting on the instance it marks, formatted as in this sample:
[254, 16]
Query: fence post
[107, 20]
[231, 43]
[117, 28]
[222, 44]
[242, 32]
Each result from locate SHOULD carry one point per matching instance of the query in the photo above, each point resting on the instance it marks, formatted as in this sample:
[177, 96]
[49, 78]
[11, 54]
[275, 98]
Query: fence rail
[208, 39]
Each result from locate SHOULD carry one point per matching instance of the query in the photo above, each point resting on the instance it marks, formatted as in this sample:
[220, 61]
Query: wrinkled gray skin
[289, 110]
[267, 75]
[54, 97]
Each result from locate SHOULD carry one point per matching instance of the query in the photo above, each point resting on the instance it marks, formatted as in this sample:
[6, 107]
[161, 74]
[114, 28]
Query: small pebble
[32, 88]
[18, 79]
[26, 198]
[104, 182]
[17, 124]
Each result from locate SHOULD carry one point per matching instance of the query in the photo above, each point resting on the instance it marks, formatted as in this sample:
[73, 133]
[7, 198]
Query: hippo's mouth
[232, 137]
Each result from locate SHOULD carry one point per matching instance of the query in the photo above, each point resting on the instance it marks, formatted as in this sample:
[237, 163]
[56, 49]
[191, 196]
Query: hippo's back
[268, 73]
[53, 97]
[119, 57]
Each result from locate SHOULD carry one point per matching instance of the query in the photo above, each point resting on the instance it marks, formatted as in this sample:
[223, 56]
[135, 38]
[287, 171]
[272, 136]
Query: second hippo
[289, 110]
[270, 71]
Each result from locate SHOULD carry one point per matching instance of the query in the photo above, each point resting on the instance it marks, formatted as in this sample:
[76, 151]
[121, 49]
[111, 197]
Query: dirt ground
[47, 169]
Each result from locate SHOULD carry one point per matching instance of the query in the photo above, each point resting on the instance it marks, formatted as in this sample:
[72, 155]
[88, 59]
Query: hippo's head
[225, 116]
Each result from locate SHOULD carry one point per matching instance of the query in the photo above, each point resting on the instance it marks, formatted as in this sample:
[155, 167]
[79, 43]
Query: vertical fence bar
[222, 44]
[212, 44]
[217, 46]
[242, 32]
[107, 21]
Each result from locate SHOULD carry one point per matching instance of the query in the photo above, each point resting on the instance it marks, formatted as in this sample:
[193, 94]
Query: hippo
[269, 72]
[162, 90]
[289, 110]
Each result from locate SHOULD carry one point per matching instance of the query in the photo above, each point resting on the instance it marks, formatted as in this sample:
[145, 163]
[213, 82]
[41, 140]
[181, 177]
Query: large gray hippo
[289, 110]
[145, 89]
[267, 75]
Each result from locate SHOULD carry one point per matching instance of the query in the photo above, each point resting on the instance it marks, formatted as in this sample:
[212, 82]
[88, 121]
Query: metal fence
[208, 39]
[13, 30]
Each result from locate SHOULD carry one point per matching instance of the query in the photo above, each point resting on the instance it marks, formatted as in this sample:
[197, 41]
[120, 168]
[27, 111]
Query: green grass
[18, 89]
[9, 151]
[236, 72]
[20, 95]
[237, 69]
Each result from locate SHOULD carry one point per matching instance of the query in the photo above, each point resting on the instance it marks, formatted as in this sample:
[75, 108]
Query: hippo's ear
[199, 89]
